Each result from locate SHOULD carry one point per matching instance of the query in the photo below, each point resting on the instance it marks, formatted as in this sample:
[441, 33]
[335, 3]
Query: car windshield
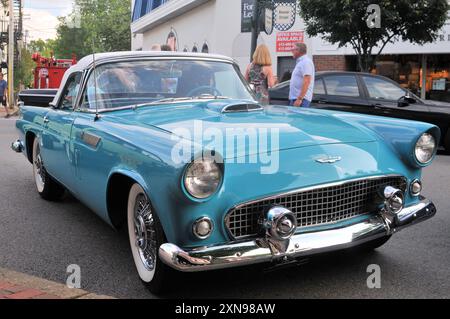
[142, 82]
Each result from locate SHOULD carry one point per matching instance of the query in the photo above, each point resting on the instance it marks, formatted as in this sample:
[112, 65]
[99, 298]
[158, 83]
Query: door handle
[377, 105]
[46, 120]
[322, 101]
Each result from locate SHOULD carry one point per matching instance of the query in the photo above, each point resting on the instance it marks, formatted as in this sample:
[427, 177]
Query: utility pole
[258, 8]
[11, 54]
[255, 28]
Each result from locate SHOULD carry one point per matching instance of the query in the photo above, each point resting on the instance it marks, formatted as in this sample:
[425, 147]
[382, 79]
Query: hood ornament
[329, 159]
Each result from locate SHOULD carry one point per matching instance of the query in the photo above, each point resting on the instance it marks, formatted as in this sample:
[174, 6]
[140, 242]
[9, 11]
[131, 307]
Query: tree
[24, 71]
[70, 40]
[94, 25]
[44, 47]
[348, 22]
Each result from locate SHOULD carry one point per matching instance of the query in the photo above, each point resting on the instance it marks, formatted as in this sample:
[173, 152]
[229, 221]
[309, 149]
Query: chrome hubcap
[39, 167]
[144, 229]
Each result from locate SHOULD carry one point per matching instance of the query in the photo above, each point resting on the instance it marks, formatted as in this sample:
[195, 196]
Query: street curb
[46, 286]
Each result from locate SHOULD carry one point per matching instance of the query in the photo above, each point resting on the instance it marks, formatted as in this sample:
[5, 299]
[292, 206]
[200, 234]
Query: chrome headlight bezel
[426, 143]
[197, 172]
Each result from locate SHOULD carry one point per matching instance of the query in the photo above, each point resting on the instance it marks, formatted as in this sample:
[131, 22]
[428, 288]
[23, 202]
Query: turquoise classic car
[174, 147]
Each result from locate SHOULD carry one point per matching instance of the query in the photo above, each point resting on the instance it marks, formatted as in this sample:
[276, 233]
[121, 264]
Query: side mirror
[406, 100]
[52, 105]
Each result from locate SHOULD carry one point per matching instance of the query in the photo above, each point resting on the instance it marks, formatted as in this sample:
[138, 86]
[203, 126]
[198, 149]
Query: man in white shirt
[302, 81]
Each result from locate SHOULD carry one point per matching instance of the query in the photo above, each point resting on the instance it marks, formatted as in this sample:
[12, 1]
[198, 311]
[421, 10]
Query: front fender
[400, 135]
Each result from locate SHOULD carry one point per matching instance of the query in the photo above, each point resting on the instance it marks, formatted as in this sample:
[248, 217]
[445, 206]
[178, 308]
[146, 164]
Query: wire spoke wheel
[144, 230]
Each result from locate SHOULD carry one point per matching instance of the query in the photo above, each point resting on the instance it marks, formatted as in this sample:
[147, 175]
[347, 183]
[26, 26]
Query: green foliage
[100, 25]
[44, 47]
[24, 71]
[344, 22]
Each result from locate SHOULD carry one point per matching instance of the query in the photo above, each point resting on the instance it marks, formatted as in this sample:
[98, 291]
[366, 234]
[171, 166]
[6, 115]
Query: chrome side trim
[90, 139]
[263, 250]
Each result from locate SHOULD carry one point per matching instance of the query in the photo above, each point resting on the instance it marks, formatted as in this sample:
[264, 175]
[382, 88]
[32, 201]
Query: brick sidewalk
[15, 285]
[12, 291]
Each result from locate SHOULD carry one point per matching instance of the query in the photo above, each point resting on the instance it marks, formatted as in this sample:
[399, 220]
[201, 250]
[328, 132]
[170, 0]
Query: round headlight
[425, 148]
[202, 178]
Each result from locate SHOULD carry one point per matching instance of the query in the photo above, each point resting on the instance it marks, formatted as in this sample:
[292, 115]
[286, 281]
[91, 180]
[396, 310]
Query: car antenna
[97, 116]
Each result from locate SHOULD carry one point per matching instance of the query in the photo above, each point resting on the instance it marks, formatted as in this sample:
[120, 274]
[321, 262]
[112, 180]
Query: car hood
[283, 127]
[438, 104]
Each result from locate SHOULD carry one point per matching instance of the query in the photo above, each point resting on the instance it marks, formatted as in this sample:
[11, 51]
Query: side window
[319, 87]
[342, 85]
[70, 92]
[382, 89]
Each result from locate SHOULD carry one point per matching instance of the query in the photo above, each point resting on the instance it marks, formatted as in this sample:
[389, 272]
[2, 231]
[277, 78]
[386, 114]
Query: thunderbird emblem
[329, 159]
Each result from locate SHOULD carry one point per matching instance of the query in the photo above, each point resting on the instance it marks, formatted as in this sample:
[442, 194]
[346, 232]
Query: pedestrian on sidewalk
[302, 81]
[260, 74]
[4, 93]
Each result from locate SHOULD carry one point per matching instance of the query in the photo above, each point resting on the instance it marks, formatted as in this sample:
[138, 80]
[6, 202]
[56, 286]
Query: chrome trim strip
[306, 189]
[262, 250]
[90, 139]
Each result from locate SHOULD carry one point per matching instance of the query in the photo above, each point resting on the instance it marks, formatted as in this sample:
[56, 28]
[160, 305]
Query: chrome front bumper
[265, 250]
[17, 146]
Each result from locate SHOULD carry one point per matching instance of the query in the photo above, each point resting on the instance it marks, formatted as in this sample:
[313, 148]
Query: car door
[341, 92]
[279, 95]
[384, 94]
[56, 147]
[93, 158]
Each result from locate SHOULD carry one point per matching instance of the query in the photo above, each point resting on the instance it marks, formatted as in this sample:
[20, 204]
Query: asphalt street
[42, 239]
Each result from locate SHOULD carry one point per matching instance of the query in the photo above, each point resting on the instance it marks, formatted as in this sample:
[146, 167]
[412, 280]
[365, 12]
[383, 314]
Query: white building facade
[219, 26]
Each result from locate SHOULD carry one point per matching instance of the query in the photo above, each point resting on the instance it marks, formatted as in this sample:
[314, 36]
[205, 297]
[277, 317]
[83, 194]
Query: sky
[40, 17]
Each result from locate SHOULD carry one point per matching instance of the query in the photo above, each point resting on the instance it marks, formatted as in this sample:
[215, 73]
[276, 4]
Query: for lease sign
[286, 40]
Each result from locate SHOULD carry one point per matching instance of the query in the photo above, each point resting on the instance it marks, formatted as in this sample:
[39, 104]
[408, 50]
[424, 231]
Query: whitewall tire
[146, 236]
[47, 187]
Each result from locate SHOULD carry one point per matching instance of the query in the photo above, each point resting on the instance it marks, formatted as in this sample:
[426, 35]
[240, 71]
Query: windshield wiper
[182, 99]
[210, 97]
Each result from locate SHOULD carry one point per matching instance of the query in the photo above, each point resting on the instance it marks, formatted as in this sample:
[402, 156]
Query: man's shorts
[3, 101]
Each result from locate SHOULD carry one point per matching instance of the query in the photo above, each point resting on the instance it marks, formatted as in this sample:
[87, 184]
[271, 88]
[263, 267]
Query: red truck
[48, 76]
[49, 72]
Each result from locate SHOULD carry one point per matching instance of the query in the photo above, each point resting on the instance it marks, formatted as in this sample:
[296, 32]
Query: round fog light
[203, 228]
[416, 188]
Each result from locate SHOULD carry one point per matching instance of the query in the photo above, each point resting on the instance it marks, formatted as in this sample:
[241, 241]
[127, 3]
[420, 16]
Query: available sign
[286, 40]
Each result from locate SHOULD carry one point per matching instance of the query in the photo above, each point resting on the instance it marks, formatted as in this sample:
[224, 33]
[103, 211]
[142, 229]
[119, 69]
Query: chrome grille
[316, 206]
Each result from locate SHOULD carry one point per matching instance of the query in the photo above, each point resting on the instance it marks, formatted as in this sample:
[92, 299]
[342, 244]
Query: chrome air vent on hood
[242, 107]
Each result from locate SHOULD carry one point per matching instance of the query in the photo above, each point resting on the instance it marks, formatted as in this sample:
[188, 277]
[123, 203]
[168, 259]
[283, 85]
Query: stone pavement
[15, 285]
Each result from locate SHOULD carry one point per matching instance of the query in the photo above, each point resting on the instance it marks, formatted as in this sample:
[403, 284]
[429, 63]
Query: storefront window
[407, 70]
